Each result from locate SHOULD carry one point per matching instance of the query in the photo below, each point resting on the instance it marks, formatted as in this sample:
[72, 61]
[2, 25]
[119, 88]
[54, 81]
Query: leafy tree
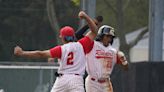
[33, 24]
[125, 16]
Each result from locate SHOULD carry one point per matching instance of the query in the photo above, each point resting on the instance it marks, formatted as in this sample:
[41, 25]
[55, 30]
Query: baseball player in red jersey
[101, 60]
[71, 57]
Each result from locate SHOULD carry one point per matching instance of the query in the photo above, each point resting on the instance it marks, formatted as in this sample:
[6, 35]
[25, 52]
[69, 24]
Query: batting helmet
[105, 30]
[67, 33]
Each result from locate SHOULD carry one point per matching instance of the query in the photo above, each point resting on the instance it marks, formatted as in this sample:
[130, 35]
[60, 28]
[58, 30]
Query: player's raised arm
[92, 34]
[31, 54]
[81, 32]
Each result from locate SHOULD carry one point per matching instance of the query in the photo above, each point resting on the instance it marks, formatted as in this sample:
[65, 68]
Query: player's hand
[82, 14]
[51, 60]
[123, 60]
[18, 51]
[122, 57]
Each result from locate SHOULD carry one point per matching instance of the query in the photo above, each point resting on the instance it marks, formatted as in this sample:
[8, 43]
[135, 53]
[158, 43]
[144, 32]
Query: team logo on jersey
[103, 54]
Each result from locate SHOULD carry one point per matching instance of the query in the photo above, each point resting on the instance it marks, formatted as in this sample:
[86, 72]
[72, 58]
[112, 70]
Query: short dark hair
[69, 38]
[100, 37]
[99, 18]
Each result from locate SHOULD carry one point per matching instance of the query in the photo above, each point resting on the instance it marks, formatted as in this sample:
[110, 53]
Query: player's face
[62, 39]
[106, 40]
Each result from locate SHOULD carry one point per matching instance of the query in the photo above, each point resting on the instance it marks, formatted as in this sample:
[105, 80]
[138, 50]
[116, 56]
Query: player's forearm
[33, 54]
[91, 24]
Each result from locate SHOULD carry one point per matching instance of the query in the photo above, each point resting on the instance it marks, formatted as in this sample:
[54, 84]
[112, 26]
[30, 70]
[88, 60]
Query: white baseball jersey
[101, 60]
[72, 59]
[72, 62]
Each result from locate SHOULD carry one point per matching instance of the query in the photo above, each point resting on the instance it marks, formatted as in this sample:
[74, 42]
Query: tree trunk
[121, 32]
[53, 19]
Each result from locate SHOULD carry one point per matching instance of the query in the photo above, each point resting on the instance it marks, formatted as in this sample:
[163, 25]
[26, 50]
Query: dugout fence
[39, 77]
[26, 77]
[141, 77]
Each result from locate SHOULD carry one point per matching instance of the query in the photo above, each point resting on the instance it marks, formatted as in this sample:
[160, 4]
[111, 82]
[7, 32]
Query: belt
[60, 74]
[99, 80]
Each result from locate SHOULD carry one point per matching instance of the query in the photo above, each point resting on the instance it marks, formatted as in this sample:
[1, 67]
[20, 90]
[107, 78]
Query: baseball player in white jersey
[101, 60]
[71, 57]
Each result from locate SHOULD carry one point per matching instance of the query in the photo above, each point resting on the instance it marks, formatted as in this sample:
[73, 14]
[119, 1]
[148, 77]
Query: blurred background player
[71, 57]
[101, 60]
[80, 33]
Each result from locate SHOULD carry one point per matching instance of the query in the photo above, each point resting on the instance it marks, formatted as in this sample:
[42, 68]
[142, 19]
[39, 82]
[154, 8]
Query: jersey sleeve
[56, 52]
[87, 44]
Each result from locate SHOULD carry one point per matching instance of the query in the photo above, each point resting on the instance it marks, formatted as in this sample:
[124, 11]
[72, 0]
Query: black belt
[60, 74]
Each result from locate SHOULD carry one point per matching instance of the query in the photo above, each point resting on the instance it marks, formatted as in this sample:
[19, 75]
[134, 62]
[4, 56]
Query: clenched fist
[18, 51]
[122, 58]
[82, 14]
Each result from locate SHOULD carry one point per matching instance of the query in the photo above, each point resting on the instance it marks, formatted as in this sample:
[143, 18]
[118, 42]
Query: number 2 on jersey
[70, 58]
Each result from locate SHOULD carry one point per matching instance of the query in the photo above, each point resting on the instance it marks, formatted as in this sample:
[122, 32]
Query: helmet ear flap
[99, 37]
[111, 41]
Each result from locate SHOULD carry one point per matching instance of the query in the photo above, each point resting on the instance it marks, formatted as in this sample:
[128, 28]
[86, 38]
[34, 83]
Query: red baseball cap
[67, 31]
